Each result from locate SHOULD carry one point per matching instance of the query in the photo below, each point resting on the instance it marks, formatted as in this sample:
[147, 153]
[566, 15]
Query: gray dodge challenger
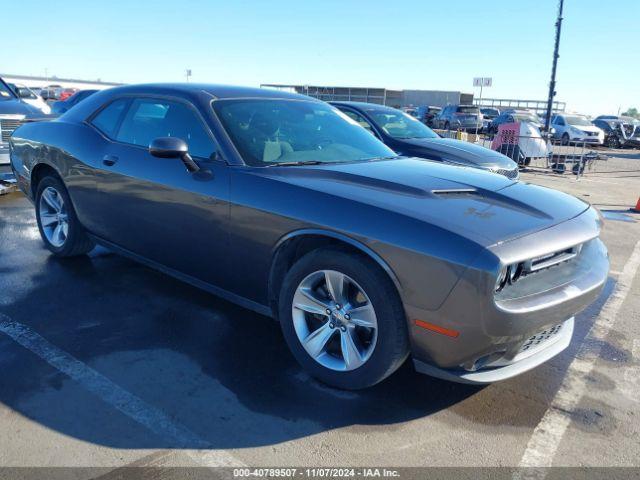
[285, 205]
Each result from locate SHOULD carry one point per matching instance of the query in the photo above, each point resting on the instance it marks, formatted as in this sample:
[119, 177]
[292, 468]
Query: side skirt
[219, 292]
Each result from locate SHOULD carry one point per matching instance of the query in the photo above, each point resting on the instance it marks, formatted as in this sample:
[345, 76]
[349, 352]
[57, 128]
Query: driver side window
[148, 118]
[359, 119]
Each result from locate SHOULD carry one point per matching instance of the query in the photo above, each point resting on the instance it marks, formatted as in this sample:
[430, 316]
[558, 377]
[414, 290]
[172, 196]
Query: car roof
[364, 106]
[196, 92]
[217, 91]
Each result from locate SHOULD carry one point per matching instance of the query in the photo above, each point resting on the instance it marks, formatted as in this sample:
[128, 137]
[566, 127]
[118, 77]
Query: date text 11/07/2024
[316, 472]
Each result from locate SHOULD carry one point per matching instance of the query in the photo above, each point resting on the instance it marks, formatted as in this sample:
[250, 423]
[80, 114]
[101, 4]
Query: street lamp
[552, 83]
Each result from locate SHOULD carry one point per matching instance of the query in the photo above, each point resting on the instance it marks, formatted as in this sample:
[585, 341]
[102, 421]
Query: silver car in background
[459, 117]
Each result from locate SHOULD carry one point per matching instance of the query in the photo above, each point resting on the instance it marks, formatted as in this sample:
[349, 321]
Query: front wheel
[59, 227]
[565, 139]
[613, 141]
[342, 319]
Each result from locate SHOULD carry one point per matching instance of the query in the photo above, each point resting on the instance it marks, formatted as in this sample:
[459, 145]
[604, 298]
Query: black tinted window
[147, 119]
[107, 120]
[358, 118]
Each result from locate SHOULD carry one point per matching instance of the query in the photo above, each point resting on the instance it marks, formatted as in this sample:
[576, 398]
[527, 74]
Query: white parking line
[147, 415]
[630, 384]
[546, 437]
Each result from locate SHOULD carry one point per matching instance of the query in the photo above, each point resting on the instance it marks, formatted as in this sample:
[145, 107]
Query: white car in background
[576, 128]
[29, 96]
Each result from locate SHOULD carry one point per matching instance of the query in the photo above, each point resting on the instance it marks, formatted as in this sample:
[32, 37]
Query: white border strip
[546, 437]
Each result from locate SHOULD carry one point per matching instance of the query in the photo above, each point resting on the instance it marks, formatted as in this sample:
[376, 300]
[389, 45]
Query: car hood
[16, 107]
[586, 128]
[459, 152]
[484, 207]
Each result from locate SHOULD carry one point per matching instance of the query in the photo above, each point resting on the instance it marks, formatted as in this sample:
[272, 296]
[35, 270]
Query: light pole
[552, 83]
[188, 74]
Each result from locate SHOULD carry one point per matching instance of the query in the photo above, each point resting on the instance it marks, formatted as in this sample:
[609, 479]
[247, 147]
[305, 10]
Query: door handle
[109, 160]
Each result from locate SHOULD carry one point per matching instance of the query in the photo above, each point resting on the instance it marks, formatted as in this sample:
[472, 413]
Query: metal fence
[542, 153]
[537, 152]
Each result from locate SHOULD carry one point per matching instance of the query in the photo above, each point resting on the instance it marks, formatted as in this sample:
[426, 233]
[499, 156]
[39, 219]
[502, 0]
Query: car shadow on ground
[221, 371]
[215, 369]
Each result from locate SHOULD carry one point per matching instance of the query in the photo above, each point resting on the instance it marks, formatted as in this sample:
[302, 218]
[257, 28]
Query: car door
[154, 207]
[559, 125]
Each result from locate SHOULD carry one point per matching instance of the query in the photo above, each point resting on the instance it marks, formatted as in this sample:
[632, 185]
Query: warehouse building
[382, 96]
[41, 82]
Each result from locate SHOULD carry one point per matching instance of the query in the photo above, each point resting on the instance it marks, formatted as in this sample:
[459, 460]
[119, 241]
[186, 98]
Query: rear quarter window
[107, 119]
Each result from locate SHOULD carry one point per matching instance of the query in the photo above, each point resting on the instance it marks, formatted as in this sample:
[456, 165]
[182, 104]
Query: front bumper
[591, 140]
[502, 369]
[490, 329]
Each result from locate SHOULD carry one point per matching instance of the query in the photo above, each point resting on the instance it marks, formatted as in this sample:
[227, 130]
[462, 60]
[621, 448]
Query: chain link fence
[539, 152]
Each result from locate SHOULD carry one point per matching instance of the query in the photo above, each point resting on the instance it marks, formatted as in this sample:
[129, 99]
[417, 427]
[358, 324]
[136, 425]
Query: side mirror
[172, 147]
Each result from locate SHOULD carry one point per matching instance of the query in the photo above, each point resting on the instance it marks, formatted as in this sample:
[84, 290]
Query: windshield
[400, 125]
[267, 132]
[24, 92]
[577, 120]
[468, 110]
[6, 93]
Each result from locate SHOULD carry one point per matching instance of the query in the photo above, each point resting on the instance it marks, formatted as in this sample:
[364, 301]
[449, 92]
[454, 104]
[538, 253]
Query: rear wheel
[342, 319]
[59, 228]
[565, 139]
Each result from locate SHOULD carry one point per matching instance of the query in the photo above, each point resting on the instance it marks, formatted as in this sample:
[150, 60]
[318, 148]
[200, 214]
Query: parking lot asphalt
[105, 362]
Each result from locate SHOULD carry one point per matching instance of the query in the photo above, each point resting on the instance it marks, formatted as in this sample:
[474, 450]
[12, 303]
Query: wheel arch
[294, 245]
[38, 172]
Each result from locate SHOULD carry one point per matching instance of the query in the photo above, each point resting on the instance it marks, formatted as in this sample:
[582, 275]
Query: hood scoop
[454, 192]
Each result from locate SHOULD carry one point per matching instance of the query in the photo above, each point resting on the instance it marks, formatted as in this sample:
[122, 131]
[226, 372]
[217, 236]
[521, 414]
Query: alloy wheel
[54, 218]
[334, 320]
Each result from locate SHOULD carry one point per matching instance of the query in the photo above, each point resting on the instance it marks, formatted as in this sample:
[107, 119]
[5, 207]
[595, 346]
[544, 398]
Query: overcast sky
[422, 44]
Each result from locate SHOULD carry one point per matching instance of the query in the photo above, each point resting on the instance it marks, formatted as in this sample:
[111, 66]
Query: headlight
[509, 274]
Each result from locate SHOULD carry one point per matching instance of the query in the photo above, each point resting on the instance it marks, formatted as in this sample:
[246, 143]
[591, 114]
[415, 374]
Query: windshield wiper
[390, 157]
[295, 164]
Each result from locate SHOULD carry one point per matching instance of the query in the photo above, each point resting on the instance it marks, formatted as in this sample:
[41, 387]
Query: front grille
[551, 259]
[510, 174]
[540, 338]
[7, 126]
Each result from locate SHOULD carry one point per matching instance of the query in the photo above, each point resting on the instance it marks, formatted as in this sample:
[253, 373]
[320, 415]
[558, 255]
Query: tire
[613, 142]
[565, 139]
[380, 350]
[75, 242]
[447, 126]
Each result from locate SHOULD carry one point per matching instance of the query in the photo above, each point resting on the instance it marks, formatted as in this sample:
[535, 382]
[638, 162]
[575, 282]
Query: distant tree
[632, 112]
